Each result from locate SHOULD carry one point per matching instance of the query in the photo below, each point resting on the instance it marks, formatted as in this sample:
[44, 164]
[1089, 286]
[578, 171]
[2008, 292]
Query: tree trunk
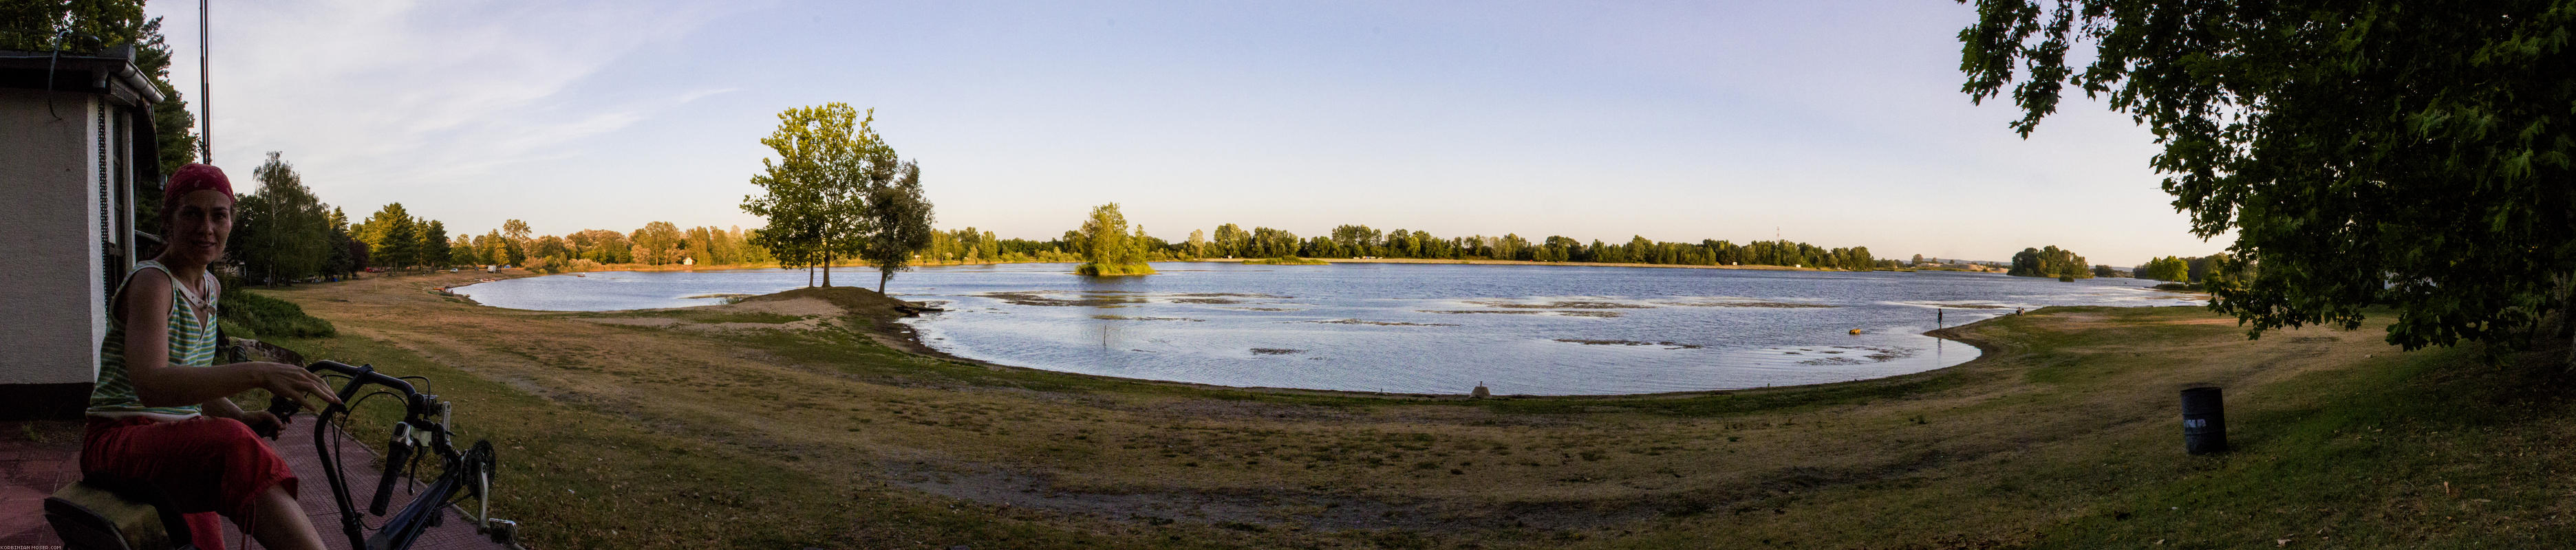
[827, 266]
[882, 276]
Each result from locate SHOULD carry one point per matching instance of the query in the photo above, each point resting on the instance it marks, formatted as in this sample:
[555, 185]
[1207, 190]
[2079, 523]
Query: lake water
[1412, 328]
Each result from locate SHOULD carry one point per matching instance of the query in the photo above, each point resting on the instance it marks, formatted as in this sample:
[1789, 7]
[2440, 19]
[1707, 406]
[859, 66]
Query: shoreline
[631, 427]
[887, 329]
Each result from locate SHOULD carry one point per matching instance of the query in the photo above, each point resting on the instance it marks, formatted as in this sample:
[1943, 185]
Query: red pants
[202, 464]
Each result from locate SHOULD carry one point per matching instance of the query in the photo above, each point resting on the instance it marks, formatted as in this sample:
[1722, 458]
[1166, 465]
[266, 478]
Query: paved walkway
[30, 470]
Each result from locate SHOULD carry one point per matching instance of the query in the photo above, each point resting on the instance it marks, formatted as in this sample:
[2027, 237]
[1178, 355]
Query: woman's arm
[145, 311]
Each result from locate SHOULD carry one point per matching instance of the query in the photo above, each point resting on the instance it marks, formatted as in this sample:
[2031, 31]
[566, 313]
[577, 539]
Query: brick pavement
[30, 470]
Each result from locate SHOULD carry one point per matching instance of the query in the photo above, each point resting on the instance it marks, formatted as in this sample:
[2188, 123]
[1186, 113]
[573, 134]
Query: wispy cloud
[384, 98]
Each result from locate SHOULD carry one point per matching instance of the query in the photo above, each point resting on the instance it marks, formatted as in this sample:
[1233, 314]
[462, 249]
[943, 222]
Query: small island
[1286, 260]
[1107, 248]
[2049, 262]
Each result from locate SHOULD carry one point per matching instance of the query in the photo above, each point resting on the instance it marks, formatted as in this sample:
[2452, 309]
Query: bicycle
[468, 472]
[99, 513]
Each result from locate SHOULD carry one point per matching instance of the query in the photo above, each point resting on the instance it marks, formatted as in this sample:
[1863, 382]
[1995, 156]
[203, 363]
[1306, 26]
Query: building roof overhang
[109, 72]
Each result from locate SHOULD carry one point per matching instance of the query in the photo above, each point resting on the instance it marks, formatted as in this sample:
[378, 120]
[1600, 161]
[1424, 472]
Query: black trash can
[2204, 421]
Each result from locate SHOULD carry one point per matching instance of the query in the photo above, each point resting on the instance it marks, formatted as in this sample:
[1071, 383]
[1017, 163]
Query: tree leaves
[2365, 153]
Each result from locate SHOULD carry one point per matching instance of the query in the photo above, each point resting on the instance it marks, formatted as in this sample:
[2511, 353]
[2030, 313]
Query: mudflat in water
[1413, 328]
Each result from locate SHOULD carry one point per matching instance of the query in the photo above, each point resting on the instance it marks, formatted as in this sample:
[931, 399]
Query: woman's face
[198, 226]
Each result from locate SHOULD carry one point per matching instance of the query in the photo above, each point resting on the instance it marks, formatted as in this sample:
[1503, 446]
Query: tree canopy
[284, 232]
[2365, 152]
[814, 192]
[1107, 247]
[2167, 268]
[898, 219]
[392, 237]
[2049, 262]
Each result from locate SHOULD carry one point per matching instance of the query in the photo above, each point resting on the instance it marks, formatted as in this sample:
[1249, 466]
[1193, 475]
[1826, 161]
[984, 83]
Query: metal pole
[205, 93]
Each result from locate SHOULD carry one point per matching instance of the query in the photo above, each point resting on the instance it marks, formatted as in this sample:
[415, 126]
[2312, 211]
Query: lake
[1412, 328]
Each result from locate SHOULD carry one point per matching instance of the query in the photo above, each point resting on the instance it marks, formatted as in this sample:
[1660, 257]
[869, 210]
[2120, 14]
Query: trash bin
[2204, 421]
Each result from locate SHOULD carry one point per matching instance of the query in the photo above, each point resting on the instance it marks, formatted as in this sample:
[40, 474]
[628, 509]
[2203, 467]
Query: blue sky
[1837, 123]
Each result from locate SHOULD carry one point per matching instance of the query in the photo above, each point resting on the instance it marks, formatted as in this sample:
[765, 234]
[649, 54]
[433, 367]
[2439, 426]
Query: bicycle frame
[424, 424]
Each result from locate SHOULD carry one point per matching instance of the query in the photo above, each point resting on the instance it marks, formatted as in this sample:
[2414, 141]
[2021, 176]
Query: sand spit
[1598, 314]
[1672, 345]
[1782, 305]
[1561, 305]
[1126, 318]
[1376, 323]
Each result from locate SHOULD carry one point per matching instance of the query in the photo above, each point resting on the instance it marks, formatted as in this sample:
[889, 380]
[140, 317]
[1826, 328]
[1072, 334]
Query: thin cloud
[381, 99]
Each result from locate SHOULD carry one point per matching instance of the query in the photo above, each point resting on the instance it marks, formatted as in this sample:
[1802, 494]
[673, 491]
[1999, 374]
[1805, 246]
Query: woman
[160, 413]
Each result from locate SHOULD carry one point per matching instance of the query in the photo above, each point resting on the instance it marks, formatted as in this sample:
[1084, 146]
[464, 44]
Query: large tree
[284, 232]
[435, 250]
[518, 240]
[1107, 246]
[657, 243]
[814, 192]
[2365, 152]
[346, 255]
[392, 237]
[898, 219]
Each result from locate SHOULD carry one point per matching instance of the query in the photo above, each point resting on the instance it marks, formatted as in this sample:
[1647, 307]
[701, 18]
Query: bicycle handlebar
[358, 377]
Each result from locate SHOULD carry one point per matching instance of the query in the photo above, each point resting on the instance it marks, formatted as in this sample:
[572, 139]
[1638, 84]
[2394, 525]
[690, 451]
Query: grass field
[760, 424]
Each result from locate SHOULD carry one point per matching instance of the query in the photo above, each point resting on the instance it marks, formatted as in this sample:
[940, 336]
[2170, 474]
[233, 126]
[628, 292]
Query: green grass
[2061, 437]
[762, 317]
[1286, 260]
[579, 477]
[2420, 450]
[247, 314]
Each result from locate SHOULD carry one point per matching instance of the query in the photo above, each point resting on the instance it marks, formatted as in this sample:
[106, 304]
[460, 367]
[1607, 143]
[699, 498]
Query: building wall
[51, 237]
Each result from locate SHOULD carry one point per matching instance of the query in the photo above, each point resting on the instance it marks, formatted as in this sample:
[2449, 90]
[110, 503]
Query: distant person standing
[161, 414]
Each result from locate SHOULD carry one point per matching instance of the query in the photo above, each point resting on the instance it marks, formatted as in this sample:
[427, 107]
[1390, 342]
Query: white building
[76, 145]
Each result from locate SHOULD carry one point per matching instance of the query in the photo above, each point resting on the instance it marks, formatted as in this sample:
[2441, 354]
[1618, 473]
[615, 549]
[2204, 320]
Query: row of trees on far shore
[286, 233]
[2198, 269]
[1348, 241]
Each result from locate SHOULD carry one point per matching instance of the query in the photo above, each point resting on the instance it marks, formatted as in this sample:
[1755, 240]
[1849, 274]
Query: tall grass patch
[249, 315]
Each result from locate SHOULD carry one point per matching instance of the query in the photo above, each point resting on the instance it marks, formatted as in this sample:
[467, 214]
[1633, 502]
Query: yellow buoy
[1855, 331]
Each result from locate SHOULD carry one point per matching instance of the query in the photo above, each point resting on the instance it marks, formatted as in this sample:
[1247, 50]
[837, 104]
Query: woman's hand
[288, 381]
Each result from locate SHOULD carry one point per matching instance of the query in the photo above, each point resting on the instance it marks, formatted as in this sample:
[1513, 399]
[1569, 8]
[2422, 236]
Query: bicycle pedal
[501, 530]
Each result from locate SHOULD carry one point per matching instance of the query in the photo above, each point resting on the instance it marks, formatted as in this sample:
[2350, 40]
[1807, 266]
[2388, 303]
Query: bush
[1098, 269]
[544, 265]
[250, 315]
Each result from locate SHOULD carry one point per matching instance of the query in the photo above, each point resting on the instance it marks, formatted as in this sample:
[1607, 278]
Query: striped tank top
[192, 344]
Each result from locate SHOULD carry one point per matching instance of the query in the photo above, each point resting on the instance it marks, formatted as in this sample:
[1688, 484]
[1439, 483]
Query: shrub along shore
[811, 419]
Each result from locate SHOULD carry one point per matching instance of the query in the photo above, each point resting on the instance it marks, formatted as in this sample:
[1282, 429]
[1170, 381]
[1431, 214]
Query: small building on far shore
[76, 148]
